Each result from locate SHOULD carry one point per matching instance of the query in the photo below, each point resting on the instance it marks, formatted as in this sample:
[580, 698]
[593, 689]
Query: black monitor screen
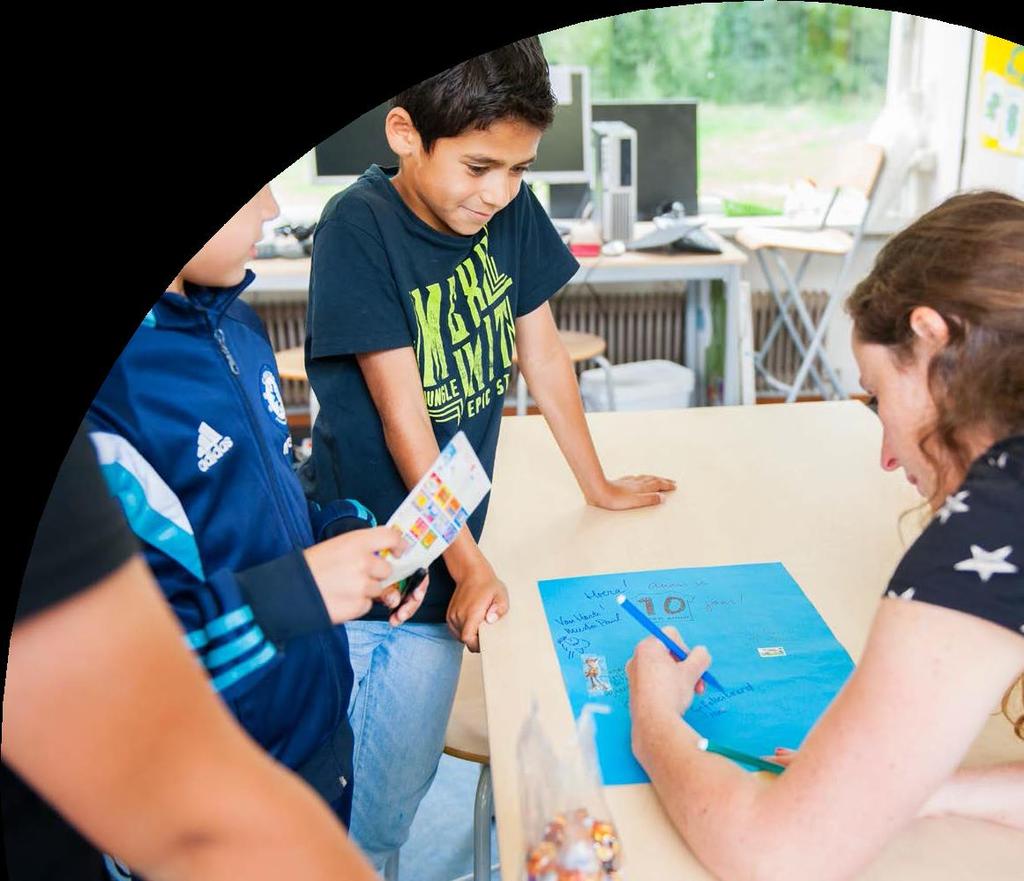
[353, 149]
[564, 146]
[666, 150]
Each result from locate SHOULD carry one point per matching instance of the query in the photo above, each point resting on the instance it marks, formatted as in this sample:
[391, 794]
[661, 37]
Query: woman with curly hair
[938, 335]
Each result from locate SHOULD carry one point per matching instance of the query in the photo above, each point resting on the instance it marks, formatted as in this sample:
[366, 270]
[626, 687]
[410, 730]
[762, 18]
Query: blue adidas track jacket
[192, 438]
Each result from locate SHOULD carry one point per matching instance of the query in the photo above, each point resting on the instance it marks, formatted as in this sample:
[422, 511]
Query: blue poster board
[777, 660]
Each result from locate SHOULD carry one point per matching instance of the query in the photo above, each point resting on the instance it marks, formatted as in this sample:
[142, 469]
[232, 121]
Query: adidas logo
[211, 447]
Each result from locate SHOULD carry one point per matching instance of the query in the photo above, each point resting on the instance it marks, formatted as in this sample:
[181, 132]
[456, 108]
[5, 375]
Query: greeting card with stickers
[438, 506]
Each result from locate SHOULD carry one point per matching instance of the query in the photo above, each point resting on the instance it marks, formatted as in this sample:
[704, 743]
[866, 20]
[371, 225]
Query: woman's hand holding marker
[659, 685]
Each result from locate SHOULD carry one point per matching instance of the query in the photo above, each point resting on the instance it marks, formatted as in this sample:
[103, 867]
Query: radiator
[636, 327]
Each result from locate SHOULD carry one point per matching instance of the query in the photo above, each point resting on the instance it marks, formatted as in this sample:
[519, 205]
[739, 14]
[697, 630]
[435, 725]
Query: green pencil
[736, 755]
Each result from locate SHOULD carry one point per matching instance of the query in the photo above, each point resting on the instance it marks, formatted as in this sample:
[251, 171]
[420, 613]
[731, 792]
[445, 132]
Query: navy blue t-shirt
[971, 556]
[381, 278]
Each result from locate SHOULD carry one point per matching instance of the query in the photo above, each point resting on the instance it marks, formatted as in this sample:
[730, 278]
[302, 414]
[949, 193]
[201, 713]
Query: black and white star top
[971, 556]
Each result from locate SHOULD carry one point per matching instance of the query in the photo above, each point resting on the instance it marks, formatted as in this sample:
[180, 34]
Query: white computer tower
[614, 179]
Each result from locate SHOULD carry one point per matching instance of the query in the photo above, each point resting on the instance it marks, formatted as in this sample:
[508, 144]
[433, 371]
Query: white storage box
[640, 385]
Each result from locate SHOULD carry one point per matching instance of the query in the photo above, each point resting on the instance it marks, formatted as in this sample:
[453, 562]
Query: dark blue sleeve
[546, 265]
[283, 614]
[971, 556]
[354, 303]
[338, 516]
[300, 610]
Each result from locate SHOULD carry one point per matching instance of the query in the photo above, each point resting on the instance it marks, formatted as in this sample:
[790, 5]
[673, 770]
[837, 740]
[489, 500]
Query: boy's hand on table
[479, 596]
[634, 491]
[351, 576]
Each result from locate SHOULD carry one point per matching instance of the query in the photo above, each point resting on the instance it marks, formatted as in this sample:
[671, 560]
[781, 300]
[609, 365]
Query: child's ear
[402, 136]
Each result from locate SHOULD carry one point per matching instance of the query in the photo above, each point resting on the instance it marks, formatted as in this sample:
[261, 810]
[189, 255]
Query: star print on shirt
[908, 594]
[988, 563]
[953, 505]
[999, 462]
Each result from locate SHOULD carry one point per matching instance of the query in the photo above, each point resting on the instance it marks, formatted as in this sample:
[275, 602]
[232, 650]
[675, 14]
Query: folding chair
[858, 169]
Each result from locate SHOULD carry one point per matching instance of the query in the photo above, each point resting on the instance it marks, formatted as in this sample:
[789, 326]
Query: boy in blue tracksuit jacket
[191, 434]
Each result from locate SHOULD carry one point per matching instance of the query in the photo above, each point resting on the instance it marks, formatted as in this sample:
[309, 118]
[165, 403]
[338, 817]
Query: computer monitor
[565, 152]
[346, 154]
[666, 150]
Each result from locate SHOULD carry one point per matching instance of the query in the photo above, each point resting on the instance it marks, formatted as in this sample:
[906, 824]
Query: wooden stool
[581, 347]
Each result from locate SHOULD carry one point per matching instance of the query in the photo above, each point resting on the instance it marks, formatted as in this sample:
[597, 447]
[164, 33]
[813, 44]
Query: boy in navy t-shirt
[426, 280]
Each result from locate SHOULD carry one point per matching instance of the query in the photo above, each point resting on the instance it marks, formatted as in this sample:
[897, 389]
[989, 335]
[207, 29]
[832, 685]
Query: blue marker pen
[656, 631]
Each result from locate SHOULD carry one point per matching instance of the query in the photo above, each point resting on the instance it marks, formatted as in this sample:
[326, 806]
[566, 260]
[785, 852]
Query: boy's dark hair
[509, 83]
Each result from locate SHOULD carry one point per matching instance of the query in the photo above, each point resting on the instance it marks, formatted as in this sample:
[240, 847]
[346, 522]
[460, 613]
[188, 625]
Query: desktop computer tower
[614, 179]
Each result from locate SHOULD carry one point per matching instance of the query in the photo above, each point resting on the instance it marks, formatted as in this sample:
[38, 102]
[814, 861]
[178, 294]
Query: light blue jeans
[402, 695]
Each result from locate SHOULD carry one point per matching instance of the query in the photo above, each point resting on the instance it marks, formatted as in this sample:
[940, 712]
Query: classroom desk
[797, 483]
[281, 275]
[644, 267]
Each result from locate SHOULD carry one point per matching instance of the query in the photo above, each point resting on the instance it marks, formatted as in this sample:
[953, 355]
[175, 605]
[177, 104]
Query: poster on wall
[1002, 96]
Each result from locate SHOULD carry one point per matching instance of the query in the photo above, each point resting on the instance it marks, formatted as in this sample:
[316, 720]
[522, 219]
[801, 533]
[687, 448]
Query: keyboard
[682, 237]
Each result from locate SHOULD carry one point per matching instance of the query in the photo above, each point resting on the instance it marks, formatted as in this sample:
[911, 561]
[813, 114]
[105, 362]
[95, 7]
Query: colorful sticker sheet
[777, 660]
[439, 506]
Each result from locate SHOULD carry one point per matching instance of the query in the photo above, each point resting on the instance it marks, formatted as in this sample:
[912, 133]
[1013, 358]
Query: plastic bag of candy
[567, 826]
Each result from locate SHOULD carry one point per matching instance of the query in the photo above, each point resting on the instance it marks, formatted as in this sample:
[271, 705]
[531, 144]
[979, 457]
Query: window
[779, 86]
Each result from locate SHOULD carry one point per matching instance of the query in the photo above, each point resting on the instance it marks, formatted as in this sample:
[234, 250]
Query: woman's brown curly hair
[964, 259]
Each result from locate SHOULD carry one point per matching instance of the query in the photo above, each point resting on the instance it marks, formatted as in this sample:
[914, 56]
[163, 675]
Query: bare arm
[545, 363]
[393, 379]
[900, 726]
[108, 717]
[994, 793]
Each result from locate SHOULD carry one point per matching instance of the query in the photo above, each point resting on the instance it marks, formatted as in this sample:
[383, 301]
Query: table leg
[521, 396]
[690, 331]
[609, 379]
[731, 390]
[704, 332]
[748, 381]
[483, 810]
